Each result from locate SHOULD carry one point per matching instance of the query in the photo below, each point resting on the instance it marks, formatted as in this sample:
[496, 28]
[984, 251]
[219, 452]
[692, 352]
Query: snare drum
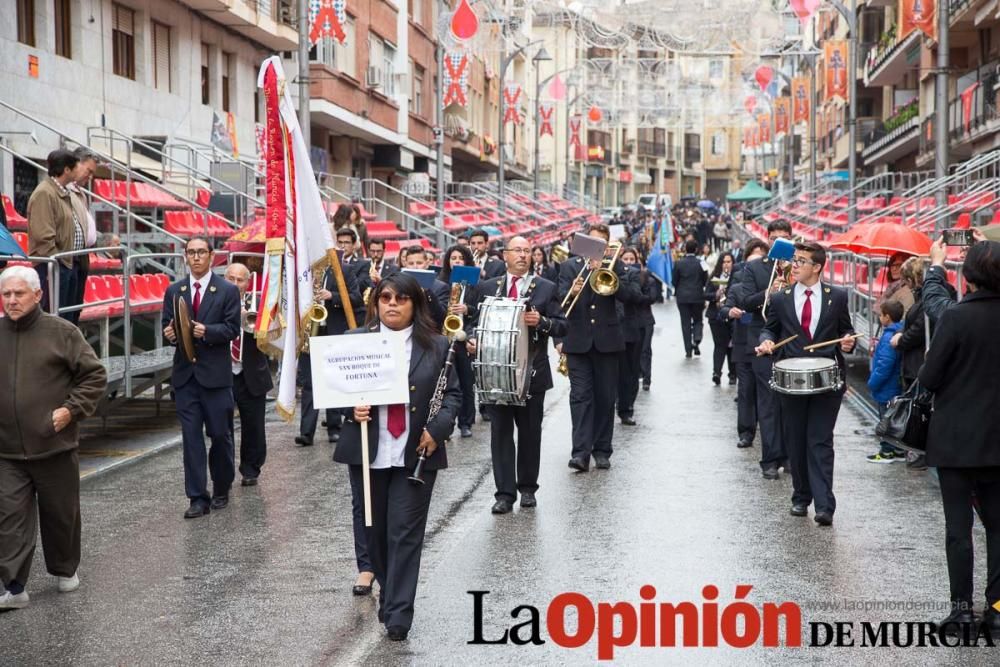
[502, 355]
[801, 376]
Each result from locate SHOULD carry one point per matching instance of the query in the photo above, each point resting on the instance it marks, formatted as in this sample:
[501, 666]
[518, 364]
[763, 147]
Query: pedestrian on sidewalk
[52, 381]
[883, 381]
[689, 286]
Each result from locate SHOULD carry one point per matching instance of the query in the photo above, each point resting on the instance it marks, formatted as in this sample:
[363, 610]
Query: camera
[958, 237]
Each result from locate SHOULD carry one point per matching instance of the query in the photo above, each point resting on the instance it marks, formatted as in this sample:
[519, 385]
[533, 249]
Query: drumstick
[784, 342]
[816, 346]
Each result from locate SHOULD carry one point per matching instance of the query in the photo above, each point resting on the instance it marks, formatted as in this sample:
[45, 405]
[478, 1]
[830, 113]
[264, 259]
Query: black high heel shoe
[360, 590]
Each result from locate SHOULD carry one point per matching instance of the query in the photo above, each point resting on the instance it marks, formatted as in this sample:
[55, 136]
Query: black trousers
[361, 556]
[42, 495]
[807, 430]
[746, 401]
[467, 383]
[646, 355]
[772, 449]
[203, 410]
[515, 468]
[253, 442]
[396, 538]
[629, 372]
[593, 385]
[957, 488]
[310, 415]
[72, 282]
[691, 324]
[722, 336]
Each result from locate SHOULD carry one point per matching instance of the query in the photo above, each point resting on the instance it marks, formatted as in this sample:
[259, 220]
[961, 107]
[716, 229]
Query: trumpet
[453, 322]
[563, 367]
[249, 319]
[604, 281]
[317, 313]
[559, 254]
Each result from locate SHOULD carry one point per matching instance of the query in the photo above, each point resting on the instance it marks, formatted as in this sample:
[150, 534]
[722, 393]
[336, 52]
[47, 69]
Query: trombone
[604, 281]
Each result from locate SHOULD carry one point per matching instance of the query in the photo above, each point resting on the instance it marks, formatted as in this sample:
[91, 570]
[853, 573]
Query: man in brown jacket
[50, 380]
[55, 227]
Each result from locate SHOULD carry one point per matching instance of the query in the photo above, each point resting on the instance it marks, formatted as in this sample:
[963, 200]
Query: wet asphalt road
[268, 580]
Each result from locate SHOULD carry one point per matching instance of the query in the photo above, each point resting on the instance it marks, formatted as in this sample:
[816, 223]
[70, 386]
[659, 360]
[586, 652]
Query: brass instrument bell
[559, 254]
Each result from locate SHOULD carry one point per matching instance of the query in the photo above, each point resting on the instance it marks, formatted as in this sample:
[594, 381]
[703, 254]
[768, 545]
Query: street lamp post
[505, 61]
[851, 16]
[941, 109]
[540, 57]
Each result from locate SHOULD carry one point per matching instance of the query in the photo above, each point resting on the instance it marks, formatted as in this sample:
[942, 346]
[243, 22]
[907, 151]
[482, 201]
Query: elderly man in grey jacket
[50, 380]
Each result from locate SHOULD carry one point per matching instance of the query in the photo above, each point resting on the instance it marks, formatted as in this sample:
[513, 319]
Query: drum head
[805, 364]
[501, 367]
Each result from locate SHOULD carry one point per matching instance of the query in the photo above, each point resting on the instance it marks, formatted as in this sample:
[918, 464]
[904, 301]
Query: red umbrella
[882, 238]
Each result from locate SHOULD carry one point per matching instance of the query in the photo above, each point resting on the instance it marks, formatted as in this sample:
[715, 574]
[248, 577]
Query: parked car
[608, 212]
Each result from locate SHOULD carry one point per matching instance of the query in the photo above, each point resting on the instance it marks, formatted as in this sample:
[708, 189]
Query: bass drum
[501, 366]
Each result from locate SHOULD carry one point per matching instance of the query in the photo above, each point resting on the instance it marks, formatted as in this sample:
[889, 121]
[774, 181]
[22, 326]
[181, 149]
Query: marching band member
[439, 295]
[629, 367]
[336, 323]
[541, 265]
[479, 242]
[755, 283]
[592, 343]
[515, 468]
[746, 382]
[251, 382]
[203, 391]
[815, 312]
[458, 255]
[397, 434]
[376, 267]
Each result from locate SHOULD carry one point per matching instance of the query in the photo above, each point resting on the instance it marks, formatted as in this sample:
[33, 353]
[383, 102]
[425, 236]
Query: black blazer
[425, 367]
[542, 296]
[437, 298]
[651, 290]
[550, 272]
[834, 322]
[740, 338]
[336, 319]
[635, 314]
[493, 267]
[689, 280]
[256, 372]
[749, 295]
[594, 322]
[220, 313]
[961, 370]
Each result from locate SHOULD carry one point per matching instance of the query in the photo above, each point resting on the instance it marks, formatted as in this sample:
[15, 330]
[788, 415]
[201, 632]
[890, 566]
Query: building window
[204, 74]
[417, 92]
[61, 13]
[388, 69]
[416, 8]
[346, 60]
[123, 41]
[227, 77]
[26, 22]
[161, 57]
[716, 69]
[719, 143]
[335, 55]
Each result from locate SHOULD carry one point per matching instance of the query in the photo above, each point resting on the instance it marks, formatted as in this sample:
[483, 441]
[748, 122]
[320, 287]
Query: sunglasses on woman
[388, 297]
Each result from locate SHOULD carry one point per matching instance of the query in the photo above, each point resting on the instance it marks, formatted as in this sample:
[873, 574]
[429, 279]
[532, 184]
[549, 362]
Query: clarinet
[417, 478]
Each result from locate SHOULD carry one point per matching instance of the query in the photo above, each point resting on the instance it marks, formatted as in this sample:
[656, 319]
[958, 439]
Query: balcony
[887, 65]
[892, 140]
[269, 22]
[958, 13]
[692, 156]
[652, 149]
[983, 116]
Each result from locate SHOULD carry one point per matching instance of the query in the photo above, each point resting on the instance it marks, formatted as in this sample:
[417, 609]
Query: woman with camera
[960, 370]
[397, 436]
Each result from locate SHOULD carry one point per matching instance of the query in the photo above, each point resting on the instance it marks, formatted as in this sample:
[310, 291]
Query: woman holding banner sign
[397, 435]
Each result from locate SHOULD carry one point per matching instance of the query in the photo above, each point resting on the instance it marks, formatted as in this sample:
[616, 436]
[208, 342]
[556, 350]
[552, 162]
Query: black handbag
[907, 418]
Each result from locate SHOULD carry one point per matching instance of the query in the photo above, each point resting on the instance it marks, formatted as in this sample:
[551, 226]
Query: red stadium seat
[14, 219]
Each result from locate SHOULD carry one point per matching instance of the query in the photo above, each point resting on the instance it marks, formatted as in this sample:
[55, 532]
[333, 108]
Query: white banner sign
[359, 369]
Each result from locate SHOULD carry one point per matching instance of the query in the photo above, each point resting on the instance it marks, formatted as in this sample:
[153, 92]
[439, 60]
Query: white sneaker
[10, 601]
[69, 584]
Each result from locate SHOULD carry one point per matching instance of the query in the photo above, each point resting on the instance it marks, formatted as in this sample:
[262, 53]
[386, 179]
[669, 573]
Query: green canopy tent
[752, 191]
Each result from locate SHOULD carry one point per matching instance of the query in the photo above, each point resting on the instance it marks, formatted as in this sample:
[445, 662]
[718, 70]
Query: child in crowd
[884, 379]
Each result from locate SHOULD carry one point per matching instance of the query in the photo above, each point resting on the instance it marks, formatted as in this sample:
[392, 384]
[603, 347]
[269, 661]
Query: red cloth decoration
[967, 95]
[804, 9]
[764, 75]
[326, 19]
[464, 22]
[545, 114]
[511, 94]
[750, 104]
[456, 79]
[595, 115]
[574, 130]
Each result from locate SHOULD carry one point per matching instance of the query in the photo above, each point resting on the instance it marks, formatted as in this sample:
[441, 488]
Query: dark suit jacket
[336, 320]
[749, 296]
[740, 335]
[635, 314]
[961, 371]
[594, 322]
[437, 298]
[220, 313]
[425, 367]
[689, 280]
[256, 372]
[542, 296]
[493, 267]
[550, 273]
[652, 292]
[834, 322]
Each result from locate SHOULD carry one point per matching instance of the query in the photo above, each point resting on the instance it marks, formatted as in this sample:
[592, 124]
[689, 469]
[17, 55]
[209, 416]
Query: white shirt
[799, 295]
[203, 285]
[391, 450]
[516, 280]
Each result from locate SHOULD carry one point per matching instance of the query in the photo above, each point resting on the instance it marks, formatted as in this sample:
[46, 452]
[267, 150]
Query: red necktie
[237, 349]
[807, 314]
[512, 294]
[196, 303]
[396, 420]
